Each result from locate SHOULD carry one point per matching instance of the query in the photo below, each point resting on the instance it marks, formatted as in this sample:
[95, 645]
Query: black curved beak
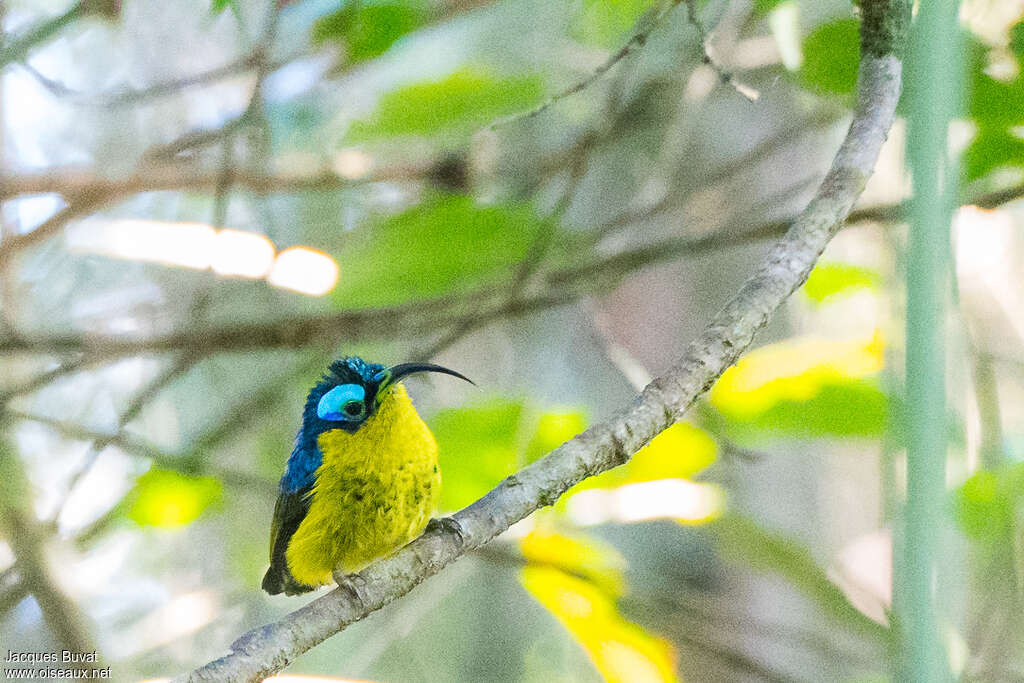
[397, 373]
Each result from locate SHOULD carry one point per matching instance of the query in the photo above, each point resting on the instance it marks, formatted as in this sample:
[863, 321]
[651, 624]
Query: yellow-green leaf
[679, 452]
[810, 387]
[620, 650]
[367, 29]
[582, 556]
[829, 280]
[166, 499]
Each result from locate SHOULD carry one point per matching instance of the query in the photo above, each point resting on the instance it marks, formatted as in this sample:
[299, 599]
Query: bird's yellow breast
[375, 491]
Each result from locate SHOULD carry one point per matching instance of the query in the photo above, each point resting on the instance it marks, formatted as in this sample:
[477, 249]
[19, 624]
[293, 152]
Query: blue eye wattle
[342, 404]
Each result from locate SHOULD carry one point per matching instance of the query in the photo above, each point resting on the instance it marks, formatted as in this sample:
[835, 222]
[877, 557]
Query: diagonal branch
[613, 442]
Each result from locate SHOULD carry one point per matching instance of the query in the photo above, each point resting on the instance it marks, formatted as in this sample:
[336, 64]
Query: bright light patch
[242, 254]
[179, 617]
[863, 570]
[679, 499]
[304, 270]
[231, 253]
[352, 164]
[784, 21]
[187, 245]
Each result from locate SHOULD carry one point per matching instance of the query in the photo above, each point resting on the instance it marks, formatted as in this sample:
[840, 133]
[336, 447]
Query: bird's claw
[445, 525]
[351, 584]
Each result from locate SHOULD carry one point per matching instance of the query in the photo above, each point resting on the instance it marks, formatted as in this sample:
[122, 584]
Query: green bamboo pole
[933, 85]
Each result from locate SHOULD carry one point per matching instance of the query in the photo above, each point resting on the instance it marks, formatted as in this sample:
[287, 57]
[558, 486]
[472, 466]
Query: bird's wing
[289, 511]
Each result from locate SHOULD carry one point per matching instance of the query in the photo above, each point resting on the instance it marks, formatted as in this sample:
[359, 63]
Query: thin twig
[17, 48]
[724, 76]
[135, 446]
[173, 371]
[638, 40]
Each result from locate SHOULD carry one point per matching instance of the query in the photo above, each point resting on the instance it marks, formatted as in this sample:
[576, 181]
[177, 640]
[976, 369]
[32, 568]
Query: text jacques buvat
[65, 664]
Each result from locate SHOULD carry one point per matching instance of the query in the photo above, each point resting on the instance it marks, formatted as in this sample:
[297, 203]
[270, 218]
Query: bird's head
[353, 389]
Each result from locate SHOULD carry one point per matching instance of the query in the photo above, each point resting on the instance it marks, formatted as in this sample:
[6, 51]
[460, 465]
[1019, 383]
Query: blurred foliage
[218, 6]
[743, 540]
[478, 448]
[482, 444]
[1017, 39]
[985, 506]
[578, 580]
[367, 28]
[553, 429]
[832, 57]
[167, 499]
[809, 387]
[995, 104]
[681, 451]
[453, 107]
[608, 23]
[443, 245]
[830, 280]
[766, 6]
[584, 557]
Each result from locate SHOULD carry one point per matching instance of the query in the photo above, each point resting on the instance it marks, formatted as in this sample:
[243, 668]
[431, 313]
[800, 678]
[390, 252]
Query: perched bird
[362, 479]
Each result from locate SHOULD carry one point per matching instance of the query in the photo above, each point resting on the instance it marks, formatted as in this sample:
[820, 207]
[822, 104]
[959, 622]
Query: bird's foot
[352, 584]
[446, 525]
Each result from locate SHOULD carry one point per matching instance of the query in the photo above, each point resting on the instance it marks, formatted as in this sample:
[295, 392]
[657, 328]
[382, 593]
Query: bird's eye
[344, 402]
[354, 410]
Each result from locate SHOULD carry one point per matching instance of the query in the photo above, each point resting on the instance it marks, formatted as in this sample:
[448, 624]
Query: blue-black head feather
[358, 384]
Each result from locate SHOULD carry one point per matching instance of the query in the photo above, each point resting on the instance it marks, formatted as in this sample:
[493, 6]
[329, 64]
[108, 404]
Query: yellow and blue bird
[361, 481]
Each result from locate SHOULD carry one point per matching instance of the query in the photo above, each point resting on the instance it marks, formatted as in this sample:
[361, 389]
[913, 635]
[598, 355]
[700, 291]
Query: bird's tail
[278, 580]
[273, 581]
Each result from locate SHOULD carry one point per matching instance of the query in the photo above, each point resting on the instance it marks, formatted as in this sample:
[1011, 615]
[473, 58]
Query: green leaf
[163, 498]
[1017, 41]
[478, 447]
[985, 505]
[218, 6]
[454, 106]
[828, 280]
[368, 29]
[997, 108]
[832, 57]
[992, 149]
[743, 540]
[841, 408]
[553, 429]
[445, 244]
[766, 6]
[608, 23]
[995, 103]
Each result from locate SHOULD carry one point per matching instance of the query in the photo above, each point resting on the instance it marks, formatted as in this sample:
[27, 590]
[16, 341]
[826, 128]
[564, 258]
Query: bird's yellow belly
[375, 491]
